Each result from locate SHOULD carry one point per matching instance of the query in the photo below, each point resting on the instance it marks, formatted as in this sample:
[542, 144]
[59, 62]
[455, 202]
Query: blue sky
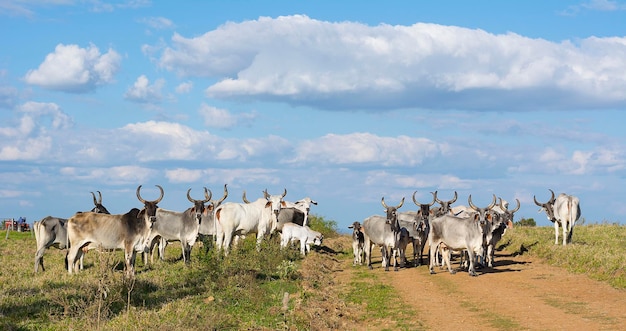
[344, 102]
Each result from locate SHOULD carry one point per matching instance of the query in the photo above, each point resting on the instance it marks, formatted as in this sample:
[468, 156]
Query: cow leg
[130, 262]
[39, 259]
[565, 226]
[368, 254]
[556, 232]
[72, 254]
[303, 246]
[471, 258]
[433, 251]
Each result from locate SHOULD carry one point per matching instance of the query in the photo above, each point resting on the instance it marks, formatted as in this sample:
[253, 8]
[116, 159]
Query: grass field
[245, 290]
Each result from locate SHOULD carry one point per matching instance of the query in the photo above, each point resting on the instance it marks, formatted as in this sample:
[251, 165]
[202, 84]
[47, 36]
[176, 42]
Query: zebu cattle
[295, 212]
[417, 225]
[129, 232]
[384, 232]
[445, 206]
[358, 242]
[501, 222]
[52, 232]
[304, 234]
[179, 226]
[208, 226]
[563, 211]
[460, 233]
[260, 217]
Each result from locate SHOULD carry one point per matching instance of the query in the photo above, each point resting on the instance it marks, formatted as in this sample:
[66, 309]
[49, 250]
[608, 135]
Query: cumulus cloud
[363, 148]
[73, 69]
[143, 92]
[31, 136]
[347, 65]
[221, 118]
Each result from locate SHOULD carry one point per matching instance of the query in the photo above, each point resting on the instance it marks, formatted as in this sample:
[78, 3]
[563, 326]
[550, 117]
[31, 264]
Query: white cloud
[351, 65]
[74, 69]
[159, 23]
[184, 87]
[216, 117]
[143, 92]
[367, 148]
[181, 175]
[113, 175]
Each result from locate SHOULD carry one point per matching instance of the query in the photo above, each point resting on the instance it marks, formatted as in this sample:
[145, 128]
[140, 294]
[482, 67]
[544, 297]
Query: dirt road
[519, 293]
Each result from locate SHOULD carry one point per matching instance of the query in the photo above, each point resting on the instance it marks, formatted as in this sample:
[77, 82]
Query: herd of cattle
[445, 228]
[472, 231]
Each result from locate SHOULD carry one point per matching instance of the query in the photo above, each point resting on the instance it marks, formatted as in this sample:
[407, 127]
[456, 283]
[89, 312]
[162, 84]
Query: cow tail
[572, 218]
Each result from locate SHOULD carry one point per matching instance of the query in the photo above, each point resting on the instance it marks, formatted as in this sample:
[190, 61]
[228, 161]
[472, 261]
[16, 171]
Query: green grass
[597, 250]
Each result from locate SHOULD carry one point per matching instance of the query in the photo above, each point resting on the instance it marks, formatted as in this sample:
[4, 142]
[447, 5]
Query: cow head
[274, 202]
[392, 214]
[198, 205]
[213, 204]
[445, 205]
[424, 212]
[548, 207]
[356, 230]
[99, 208]
[149, 207]
[507, 215]
[482, 215]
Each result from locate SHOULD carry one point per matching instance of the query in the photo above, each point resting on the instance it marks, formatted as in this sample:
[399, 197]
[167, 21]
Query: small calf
[304, 234]
[357, 243]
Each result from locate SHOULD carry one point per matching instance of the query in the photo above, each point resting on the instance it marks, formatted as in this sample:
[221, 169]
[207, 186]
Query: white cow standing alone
[563, 211]
[304, 234]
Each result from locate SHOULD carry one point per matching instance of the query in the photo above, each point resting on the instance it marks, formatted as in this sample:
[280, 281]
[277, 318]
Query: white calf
[304, 234]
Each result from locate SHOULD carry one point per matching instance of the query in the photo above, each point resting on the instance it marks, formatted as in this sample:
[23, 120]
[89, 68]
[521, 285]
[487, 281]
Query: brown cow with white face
[128, 231]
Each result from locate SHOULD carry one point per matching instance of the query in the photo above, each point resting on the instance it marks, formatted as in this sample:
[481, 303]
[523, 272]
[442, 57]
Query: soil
[519, 293]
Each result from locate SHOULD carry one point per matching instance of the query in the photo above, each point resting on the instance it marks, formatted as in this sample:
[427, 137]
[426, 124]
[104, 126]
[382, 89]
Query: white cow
[563, 211]
[304, 234]
[237, 219]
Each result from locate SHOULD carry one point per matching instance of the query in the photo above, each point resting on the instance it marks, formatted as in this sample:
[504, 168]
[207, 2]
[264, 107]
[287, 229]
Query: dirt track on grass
[519, 293]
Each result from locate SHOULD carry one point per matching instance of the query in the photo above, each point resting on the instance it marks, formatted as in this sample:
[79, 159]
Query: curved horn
[518, 205]
[537, 202]
[225, 195]
[284, 193]
[434, 198]
[265, 194]
[139, 195]
[155, 201]
[244, 197]
[162, 194]
[189, 197]
[401, 203]
[383, 202]
[493, 202]
[469, 200]
[100, 197]
[415, 201]
[552, 199]
[501, 204]
[95, 202]
[210, 195]
[454, 199]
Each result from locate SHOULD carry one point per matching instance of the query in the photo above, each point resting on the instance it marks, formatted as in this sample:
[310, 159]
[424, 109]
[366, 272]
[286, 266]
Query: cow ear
[268, 204]
[351, 227]
[509, 224]
[282, 203]
[476, 217]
